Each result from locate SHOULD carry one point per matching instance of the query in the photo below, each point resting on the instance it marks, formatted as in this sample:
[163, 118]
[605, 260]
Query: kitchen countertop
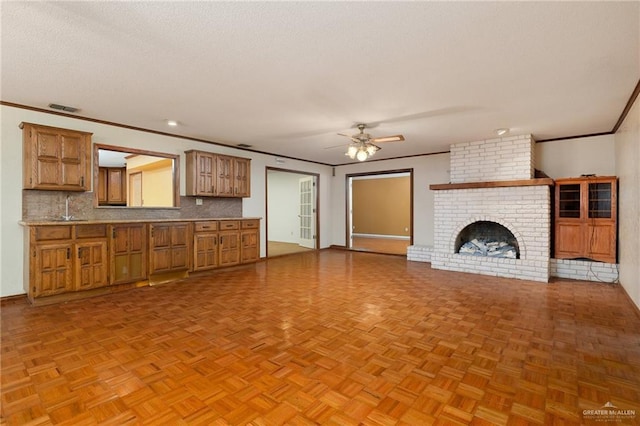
[50, 222]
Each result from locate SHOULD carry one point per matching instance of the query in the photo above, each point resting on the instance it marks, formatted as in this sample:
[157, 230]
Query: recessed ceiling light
[172, 123]
[502, 132]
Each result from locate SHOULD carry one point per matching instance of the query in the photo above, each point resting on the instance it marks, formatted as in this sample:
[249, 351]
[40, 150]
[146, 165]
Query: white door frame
[316, 201]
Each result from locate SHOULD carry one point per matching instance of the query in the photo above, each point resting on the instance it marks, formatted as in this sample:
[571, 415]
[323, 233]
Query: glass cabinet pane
[600, 200]
[569, 200]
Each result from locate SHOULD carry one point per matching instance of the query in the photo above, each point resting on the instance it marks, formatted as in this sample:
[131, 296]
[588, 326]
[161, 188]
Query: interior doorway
[292, 219]
[380, 211]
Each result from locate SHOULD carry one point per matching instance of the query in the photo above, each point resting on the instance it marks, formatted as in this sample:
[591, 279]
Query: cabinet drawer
[91, 231]
[206, 226]
[250, 224]
[45, 233]
[228, 224]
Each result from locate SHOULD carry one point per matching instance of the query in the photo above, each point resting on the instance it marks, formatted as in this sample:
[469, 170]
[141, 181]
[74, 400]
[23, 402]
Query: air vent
[63, 108]
[244, 145]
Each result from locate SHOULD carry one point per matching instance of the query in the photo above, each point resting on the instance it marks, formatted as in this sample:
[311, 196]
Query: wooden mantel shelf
[493, 184]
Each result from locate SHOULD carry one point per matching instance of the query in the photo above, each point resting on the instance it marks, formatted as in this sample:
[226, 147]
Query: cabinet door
[128, 253]
[102, 185]
[242, 172]
[229, 246]
[601, 241]
[116, 186]
[205, 251]
[250, 247]
[569, 240]
[56, 159]
[201, 173]
[91, 265]
[169, 247]
[51, 269]
[224, 173]
[180, 243]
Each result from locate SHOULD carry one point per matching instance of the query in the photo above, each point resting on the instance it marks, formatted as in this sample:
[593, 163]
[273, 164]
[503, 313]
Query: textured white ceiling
[285, 77]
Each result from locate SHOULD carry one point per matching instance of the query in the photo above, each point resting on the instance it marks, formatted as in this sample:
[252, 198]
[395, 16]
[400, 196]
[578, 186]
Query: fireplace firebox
[485, 238]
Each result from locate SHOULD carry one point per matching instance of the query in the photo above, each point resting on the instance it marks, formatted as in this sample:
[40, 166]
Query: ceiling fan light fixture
[362, 154]
[371, 149]
[352, 151]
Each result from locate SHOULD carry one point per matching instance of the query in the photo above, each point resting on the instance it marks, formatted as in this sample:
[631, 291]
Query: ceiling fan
[363, 146]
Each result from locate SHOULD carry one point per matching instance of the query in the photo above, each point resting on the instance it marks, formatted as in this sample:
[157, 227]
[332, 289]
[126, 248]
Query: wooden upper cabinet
[112, 186]
[586, 218]
[213, 175]
[56, 159]
[224, 176]
[201, 173]
[242, 176]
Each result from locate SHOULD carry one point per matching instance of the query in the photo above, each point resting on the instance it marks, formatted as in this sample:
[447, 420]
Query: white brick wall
[508, 158]
[524, 210]
[419, 253]
[584, 270]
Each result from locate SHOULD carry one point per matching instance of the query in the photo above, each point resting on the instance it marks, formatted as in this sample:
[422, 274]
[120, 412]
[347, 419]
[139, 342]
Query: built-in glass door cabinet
[55, 159]
[586, 218]
[128, 251]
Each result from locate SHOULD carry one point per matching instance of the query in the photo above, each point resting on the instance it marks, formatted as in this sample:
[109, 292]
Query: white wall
[427, 170]
[627, 152]
[574, 157]
[12, 247]
[283, 205]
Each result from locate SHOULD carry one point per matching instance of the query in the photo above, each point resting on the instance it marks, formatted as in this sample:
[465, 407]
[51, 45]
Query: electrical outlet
[198, 201]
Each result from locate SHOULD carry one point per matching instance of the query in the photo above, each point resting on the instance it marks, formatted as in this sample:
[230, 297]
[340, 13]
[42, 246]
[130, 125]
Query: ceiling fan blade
[335, 146]
[395, 138]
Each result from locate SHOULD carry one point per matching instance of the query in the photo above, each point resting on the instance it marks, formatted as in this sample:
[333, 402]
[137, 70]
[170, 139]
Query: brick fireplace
[493, 181]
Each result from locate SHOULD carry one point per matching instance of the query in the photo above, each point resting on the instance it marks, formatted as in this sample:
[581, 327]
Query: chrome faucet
[66, 210]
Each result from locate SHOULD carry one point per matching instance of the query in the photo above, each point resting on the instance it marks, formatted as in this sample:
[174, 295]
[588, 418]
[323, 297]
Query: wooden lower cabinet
[51, 270]
[205, 245]
[70, 258]
[229, 248]
[169, 247]
[128, 253]
[67, 258]
[250, 241]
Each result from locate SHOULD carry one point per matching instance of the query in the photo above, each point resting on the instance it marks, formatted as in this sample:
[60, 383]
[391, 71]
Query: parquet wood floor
[329, 337]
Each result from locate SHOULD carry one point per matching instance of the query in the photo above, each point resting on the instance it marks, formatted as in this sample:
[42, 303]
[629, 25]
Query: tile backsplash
[51, 205]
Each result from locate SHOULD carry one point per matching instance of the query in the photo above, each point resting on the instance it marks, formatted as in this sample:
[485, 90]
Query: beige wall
[382, 206]
[627, 152]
